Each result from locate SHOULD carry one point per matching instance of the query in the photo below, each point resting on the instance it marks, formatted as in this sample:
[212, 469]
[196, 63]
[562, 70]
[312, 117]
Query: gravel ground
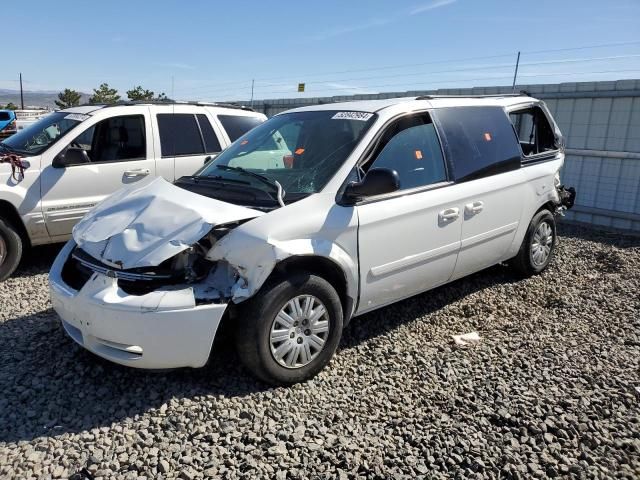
[552, 389]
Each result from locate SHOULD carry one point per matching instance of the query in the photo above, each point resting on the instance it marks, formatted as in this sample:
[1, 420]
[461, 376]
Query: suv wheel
[289, 331]
[538, 245]
[10, 249]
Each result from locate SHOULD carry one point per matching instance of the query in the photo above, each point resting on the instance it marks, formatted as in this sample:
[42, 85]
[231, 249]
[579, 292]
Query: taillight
[11, 125]
[288, 161]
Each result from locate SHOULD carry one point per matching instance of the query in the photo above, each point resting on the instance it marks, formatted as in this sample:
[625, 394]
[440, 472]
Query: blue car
[7, 123]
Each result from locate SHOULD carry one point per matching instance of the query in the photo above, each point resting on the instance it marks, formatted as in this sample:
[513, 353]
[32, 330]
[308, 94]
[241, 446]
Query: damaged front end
[135, 285]
[156, 237]
[210, 282]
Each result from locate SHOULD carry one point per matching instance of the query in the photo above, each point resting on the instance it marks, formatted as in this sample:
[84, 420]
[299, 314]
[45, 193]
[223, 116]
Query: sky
[212, 50]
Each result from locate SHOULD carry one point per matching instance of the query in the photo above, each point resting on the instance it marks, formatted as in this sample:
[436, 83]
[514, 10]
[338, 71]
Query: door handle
[449, 214]
[474, 208]
[141, 172]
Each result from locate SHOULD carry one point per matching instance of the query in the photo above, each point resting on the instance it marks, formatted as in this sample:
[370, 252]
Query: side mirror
[70, 156]
[377, 181]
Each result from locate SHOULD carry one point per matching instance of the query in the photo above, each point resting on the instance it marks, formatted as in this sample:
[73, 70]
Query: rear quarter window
[237, 125]
[479, 141]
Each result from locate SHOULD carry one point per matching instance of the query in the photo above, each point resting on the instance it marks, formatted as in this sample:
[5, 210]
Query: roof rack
[172, 102]
[522, 93]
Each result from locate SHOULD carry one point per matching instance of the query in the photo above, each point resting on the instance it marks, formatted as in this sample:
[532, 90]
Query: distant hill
[40, 98]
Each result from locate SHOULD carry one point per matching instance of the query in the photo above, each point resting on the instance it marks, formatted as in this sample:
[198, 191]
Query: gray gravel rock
[550, 391]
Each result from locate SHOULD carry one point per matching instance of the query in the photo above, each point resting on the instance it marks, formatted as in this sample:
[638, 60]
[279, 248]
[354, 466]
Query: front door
[408, 241]
[118, 152]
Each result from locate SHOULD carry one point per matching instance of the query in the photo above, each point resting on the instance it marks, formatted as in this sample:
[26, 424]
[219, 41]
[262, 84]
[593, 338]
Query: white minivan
[372, 202]
[68, 161]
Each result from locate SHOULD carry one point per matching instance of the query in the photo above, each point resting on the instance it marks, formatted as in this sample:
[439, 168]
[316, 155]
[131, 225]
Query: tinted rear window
[237, 126]
[4, 116]
[179, 134]
[479, 141]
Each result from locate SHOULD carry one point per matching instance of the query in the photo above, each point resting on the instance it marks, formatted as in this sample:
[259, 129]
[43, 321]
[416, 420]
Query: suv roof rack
[522, 93]
[172, 102]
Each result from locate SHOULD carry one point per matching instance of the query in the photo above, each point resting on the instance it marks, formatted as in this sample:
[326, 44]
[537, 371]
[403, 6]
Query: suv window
[236, 125]
[479, 141]
[4, 116]
[115, 139]
[179, 134]
[211, 142]
[411, 148]
[534, 131]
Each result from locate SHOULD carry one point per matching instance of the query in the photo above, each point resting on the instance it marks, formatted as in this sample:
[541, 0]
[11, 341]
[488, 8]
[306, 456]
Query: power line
[387, 67]
[504, 65]
[482, 67]
[560, 74]
[430, 73]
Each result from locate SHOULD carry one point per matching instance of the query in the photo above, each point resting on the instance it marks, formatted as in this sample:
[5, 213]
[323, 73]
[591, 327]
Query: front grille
[128, 275]
[80, 266]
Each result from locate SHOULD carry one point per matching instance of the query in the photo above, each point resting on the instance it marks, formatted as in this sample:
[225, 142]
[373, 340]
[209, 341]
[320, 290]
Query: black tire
[256, 317]
[523, 263]
[10, 249]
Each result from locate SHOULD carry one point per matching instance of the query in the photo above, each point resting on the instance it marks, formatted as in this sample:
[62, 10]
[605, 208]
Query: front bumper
[163, 329]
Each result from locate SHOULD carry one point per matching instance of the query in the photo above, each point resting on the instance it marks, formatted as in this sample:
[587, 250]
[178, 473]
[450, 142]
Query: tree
[68, 98]
[104, 94]
[11, 106]
[139, 93]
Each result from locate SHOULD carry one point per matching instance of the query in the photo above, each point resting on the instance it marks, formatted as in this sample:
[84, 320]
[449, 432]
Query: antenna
[515, 74]
[21, 93]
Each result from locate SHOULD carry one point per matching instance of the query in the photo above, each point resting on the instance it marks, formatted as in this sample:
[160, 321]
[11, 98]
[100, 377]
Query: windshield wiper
[280, 193]
[217, 179]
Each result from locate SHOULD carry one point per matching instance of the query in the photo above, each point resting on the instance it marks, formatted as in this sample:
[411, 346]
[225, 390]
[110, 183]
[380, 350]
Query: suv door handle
[474, 208]
[449, 214]
[141, 172]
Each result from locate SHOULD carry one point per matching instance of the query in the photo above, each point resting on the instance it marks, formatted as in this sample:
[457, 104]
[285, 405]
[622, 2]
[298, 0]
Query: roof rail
[522, 93]
[172, 102]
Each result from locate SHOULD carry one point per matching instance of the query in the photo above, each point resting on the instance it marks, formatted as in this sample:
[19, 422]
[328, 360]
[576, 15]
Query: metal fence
[601, 121]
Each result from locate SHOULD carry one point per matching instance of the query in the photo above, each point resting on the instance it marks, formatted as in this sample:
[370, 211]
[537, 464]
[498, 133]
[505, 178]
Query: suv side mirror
[377, 181]
[70, 156]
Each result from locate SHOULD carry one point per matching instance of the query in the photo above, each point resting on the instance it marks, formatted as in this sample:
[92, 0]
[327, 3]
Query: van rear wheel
[10, 249]
[290, 330]
[537, 247]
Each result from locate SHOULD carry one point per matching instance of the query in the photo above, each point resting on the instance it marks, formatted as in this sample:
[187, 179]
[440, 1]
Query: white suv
[371, 202]
[74, 158]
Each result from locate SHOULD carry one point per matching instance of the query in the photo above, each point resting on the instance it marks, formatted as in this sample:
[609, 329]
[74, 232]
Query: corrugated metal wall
[601, 121]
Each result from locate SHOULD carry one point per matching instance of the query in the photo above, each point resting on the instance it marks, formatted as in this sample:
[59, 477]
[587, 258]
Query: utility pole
[252, 83]
[515, 74]
[21, 94]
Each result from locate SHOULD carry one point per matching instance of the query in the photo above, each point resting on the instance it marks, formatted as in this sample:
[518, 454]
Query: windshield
[36, 138]
[301, 151]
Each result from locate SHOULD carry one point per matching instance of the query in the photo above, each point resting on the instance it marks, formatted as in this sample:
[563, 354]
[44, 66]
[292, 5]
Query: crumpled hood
[148, 222]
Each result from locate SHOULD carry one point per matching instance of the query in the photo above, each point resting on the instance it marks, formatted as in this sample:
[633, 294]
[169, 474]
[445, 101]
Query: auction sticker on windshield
[363, 116]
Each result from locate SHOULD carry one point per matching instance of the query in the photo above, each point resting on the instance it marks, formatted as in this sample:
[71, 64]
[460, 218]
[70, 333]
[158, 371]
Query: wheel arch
[9, 213]
[324, 267]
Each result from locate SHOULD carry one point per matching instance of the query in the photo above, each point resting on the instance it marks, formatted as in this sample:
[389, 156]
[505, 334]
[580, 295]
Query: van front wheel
[10, 249]
[290, 330]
